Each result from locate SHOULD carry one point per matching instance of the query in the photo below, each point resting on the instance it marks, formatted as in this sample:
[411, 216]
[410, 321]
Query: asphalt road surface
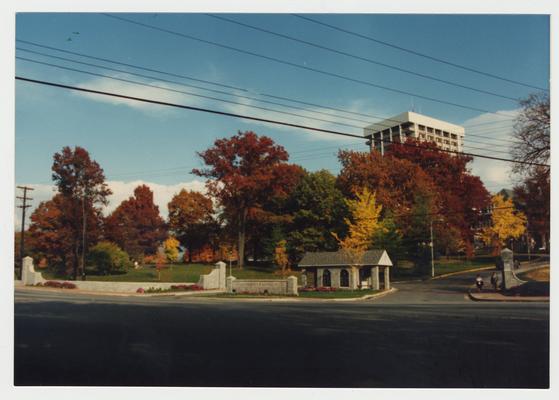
[428, 334]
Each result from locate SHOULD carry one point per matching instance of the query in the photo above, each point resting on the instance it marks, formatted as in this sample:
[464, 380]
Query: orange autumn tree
[280, 256]
[243, 172]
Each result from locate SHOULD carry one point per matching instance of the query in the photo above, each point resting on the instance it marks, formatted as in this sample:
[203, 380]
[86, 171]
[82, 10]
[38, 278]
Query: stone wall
[263, 286]
[215, 279]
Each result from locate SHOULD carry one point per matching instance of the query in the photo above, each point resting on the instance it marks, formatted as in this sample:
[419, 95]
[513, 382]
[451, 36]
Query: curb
[368, 296]
[504, 299]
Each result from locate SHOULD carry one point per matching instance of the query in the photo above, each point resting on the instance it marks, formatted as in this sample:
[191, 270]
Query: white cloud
[134, 90]
[494, 174]
[121, 191]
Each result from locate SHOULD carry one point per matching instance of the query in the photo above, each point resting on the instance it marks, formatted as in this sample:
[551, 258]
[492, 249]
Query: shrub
[68, 285]
[326, 289]
[53, 284]
[107, 257]
[140, 290]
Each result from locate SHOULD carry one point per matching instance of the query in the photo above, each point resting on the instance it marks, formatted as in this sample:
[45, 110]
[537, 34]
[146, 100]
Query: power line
[186, 85]
[187, 93]
[297, 101]
[183, 92]
[357, 57]
[289, 63]
[210, 111]
[384, 43]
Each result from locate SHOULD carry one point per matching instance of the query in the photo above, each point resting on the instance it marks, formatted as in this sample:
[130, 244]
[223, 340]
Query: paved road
[425, 335]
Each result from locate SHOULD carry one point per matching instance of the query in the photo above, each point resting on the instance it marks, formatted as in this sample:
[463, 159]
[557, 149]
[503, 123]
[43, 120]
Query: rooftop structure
[410, 124]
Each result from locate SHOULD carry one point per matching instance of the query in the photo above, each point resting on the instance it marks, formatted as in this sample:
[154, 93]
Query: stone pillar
[292, 286]
[304, 278]
[222, 267]
[335, 277]
[354, 278]
[375, 278]
[386, 278]
[28, 274]
[319, 277]
[509, 278]
[229, 284]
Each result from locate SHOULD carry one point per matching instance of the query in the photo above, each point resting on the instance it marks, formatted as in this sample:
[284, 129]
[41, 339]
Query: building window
[431, 138]
[422, 136]
[437, 131]
[455, 144]
[326, 278]
[377, 135]
[446, 142]
[446, 134]
[396, 129]
[386, 132]
[453, 136]
[439, 140]
[421, 127]
[430, 130]
[344, 278]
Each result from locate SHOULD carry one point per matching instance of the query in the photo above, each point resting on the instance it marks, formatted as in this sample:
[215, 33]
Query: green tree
[318, 208]
[107, 258]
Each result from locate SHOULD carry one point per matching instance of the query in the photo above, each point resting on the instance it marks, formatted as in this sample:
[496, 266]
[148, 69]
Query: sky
[143, 143]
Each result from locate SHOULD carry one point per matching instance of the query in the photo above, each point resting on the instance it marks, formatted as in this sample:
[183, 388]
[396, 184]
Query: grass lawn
[338, 294]
[538, 275]
[176, 273]
[443, 266]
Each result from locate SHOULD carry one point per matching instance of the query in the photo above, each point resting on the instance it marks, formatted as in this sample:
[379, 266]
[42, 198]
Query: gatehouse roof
[341, 258]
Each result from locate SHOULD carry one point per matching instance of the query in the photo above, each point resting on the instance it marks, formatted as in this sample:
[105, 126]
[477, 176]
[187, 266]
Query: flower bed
[318, 289]
[173, 288]
[58, 285]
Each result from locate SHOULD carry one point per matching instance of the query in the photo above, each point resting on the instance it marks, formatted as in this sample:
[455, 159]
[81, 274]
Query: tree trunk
[242, 228]
[75, 261]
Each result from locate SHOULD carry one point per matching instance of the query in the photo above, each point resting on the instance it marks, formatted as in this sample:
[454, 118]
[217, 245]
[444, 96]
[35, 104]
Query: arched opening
[344, 278]
[326, 278]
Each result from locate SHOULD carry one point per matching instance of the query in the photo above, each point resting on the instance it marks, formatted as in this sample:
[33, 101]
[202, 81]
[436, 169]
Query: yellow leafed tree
[171, 247]
[362, 226]
[280, 256]
[506, 223]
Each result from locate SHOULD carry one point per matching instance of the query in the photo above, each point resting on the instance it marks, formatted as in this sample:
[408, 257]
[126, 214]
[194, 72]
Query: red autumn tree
[243, 171]
[51, 232]
[461, 194]
[191, 220]
[81, 182]
[136, 226]
[395, 182]
[533, 198]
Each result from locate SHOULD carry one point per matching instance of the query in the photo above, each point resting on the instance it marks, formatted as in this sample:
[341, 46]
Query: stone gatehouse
[335, 269]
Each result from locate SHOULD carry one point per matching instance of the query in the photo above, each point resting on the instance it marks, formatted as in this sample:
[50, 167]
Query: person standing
[494, 281]
[479, 282]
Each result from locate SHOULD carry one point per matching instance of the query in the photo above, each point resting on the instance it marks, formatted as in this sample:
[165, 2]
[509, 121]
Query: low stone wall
[124, 287]
[287, 287]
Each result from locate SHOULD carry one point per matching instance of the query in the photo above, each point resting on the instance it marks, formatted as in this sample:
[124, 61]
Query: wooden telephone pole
[23, 206]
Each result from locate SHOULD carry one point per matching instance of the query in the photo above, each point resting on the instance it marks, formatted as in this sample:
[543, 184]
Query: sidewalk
[497, 296]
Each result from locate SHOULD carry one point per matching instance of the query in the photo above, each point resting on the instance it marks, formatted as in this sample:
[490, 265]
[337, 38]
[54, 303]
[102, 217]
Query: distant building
[410, 124]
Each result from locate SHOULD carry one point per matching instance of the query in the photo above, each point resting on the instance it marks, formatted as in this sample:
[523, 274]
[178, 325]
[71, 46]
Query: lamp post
[432, 250]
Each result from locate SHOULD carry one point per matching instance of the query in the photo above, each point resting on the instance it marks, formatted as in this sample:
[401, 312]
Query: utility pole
[432, 251]
[23, 207]
[83, 236]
